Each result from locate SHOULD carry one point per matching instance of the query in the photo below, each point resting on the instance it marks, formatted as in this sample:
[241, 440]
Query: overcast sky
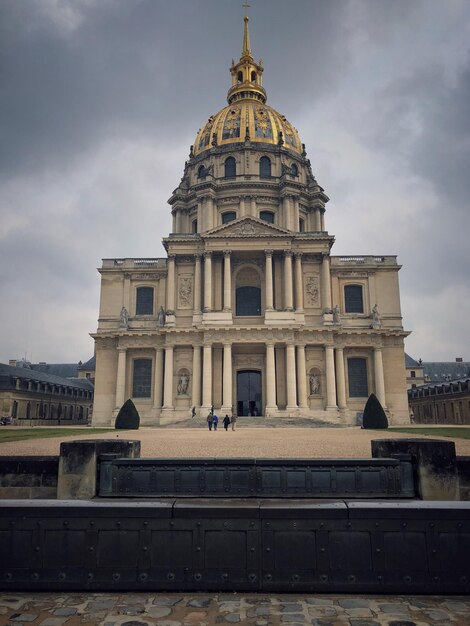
[101, 99]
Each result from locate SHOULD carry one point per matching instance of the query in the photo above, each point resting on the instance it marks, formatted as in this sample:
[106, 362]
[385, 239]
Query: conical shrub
[374, 415]
[128, 417]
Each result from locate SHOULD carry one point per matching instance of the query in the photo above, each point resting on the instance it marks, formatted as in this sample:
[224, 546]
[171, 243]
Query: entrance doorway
[249, 393]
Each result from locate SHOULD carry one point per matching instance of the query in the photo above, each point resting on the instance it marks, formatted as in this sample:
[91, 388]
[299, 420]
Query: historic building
[31, 394]
[249, 311]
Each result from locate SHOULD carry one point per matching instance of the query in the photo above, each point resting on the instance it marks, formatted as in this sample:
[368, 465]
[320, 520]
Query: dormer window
[230, 168]
[201, 172]
[265, 167]
[267, 216]
[229, 216]
[294, 170]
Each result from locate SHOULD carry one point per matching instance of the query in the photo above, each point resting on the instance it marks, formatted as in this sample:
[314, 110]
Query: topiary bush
[374, 415]
[128, 417]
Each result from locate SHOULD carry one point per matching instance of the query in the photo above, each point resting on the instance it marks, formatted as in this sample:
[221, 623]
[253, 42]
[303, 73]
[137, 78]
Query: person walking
[215, 421]
[209, 420]
[226, 422]
[233, 420]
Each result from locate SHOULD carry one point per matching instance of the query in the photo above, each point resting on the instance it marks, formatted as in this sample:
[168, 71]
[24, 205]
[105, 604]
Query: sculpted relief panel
[185, 292]
[312, 290]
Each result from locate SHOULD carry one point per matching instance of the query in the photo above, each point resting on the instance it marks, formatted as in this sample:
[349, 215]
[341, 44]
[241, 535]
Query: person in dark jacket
[226, 422]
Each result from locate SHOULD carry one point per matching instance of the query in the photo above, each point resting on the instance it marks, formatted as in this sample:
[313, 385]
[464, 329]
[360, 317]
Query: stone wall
[28, 477]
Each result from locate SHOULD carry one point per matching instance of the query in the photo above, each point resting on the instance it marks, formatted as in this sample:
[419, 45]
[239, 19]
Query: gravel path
[244, 443]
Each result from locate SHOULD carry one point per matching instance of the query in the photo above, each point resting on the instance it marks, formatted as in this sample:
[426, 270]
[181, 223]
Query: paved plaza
[130, 609]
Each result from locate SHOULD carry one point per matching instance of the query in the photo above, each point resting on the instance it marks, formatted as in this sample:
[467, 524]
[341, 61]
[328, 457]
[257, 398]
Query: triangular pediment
[247, 227]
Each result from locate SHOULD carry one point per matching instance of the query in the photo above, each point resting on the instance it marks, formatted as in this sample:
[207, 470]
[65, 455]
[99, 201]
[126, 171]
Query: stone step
[259, 422]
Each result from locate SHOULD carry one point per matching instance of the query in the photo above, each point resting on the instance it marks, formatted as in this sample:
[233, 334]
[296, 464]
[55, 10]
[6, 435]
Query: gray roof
[409, 362]
[88, 365]
[8, 374]
[441, 371]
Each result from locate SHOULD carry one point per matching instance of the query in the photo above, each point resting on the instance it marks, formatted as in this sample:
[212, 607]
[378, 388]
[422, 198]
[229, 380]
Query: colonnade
[204, 287]
[290, 210]
[297, 393]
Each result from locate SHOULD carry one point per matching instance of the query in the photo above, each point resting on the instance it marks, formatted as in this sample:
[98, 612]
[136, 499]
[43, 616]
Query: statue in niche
[124, 317]
[314, 382]
[161, 317]
[375, 313]
[336, 315]
[183, 384]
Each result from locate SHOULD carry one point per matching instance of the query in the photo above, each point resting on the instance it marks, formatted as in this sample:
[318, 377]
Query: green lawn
[8, 433]
[444, 431]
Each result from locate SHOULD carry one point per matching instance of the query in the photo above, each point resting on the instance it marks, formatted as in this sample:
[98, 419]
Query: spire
[246, 74]
[246, 39]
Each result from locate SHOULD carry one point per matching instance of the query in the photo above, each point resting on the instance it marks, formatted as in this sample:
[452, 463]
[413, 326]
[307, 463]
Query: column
[197, 284]
[301, 377]
[318, 227]
[170, 285]
[269, 280]
[168, 381]
[288, 300]
[325, 283]
[207, 377]
[379, 377]
[253, 206]
[121, 377]
[200, 215]
[270, 378]
[227, 281]
[242, 207]
[178, 220]
[158, 381]
[207, 281]
[227, 378]
[291, 377]
[340, 379]
[295, 212]
[330, 378]
[299, 296]
[196, 389]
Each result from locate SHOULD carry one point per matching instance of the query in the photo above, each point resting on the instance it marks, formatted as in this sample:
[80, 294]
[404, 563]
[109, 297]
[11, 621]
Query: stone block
[78, 464]
[434, 465]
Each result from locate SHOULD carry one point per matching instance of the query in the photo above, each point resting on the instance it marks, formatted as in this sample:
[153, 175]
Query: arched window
[201, 172]
[253, 77]
[142, 378]
[248, 293]
[230, 168]
[194, 227]
[240, 77]
[357, 378]
[267, 216]
[301, 225]
[228, 217]
[294, 170]
[144, 301]
[353, 300]
[265, 167]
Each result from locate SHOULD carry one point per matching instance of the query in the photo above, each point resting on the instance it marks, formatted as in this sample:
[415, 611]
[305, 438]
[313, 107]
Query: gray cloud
[100, 100]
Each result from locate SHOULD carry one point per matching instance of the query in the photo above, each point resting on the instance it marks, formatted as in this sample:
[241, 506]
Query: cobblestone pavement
[143, 609]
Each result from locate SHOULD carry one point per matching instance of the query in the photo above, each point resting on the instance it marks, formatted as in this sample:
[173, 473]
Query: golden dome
[247, 116]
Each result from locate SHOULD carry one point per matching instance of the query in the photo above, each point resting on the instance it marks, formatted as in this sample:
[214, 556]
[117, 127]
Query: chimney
[458, 359]
[12, 362]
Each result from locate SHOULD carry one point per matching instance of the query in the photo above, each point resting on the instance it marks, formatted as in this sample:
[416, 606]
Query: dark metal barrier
[235, 544]
[338, 478]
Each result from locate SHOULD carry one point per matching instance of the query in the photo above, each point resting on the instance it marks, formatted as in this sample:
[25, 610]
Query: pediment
[247, 227]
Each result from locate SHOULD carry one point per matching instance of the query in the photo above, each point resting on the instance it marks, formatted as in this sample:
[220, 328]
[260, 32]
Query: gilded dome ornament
[247, 109]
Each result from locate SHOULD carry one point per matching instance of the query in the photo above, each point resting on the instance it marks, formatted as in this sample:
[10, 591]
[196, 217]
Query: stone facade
[249, 312]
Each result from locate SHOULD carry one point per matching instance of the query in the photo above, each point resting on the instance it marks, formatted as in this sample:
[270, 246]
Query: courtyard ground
[245, 442]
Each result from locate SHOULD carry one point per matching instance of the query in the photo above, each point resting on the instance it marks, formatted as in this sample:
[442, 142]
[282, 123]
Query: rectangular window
[144, 301]
[353, 300]
[357, 376]
[413, 374]
[142, 378]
